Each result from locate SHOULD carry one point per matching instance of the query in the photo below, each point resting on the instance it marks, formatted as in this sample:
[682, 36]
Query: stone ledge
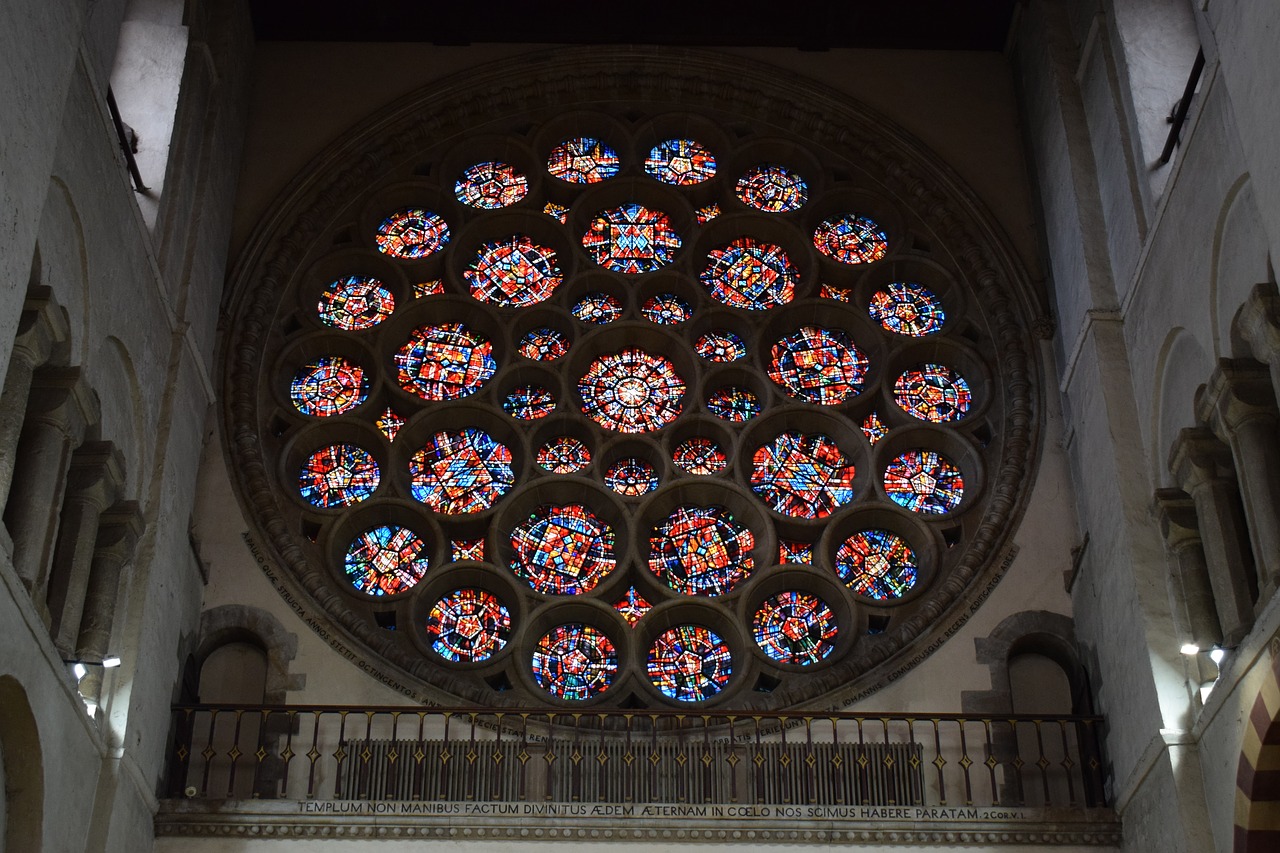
[638, 822]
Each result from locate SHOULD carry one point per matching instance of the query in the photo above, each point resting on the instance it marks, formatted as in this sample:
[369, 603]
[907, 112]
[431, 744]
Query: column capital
[43, 325]
[96, 474]
[1259, 321]
[1176, 513]
[1238, 391]
[119, 528]
[61, 398]
[1198, 457]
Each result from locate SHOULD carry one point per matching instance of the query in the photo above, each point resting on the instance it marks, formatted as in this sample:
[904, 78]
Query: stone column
[42, 325]
[1190, 592]
[1239, 407]
[60, 408]
[1203, 465]
[97, 472]
[1259, 324]
[118, 532]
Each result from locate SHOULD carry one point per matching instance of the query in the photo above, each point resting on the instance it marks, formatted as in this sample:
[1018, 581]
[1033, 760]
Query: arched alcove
[23, 771]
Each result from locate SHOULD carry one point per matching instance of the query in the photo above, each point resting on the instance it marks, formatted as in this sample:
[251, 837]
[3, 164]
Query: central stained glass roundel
[631, 239]
[562, 550]
[513, 273]
[631, 391]
[445, 362]
[701, 550]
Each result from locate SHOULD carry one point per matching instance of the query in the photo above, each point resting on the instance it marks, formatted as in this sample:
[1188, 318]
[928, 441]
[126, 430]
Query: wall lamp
[80, 668]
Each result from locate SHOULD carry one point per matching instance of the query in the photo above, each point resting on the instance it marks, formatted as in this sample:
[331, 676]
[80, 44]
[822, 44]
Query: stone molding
[561, 81]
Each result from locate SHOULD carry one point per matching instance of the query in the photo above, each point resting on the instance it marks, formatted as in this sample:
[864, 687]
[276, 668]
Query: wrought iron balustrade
[484, 755]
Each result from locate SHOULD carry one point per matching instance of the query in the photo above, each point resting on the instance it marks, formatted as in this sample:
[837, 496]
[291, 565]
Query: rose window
[627, 408]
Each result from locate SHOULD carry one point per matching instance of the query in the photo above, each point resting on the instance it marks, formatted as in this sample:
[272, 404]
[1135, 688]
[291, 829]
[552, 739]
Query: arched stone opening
[1257, 824]
[22, 807]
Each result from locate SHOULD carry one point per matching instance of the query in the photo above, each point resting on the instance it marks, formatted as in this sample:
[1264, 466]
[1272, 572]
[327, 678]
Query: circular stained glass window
[700, 456]
[412, 233]
[933, 392]
[445, 362]
[338, 475]
[803, 476]
[680, 162]
[386, 560]
[460, 472]
[851, 239]
[750, 274]
[773, 189]
[731, 403]
[818, 365]
[924, 481]
[583, 160]
[562, 550]
[877, 564]
[907, 309]
[666, 309]
[631, 239]
[564, 455]
[795, 628]
[689, 663]
[543, 344]
[631, 477]
[529, 402]
[701, 550]
[631, 391]
[355, 303]
[491, 185]
[513, 273]
[468, 626]
[574, 662]
[328, 386]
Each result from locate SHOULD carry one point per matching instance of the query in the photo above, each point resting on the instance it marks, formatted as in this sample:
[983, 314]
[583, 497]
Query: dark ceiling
[923, 24]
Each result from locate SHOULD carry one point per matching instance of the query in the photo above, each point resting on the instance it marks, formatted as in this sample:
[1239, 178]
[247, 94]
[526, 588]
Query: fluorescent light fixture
[110, 661]
[1217, 653]
[79, 670]
[1187, 649]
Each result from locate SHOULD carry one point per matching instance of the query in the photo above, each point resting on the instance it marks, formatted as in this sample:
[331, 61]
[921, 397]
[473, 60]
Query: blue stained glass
[468, 626]
[575, 662]
[818, 365]
[562, 550]
[461, 471]
[338, 475]
[583, 160]
[795, 628]
[631, 239]
[445, 362]
[386, 560]
[877, 564]
[689, 663]
[750, 274]
[803, 476]
[701, 550]
[680, 162]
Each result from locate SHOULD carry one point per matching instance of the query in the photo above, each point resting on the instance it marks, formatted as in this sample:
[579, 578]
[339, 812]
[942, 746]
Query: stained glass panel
[338, 475]
[355, 303]
[435, 287]
[791, 551]
[491, 185]
[631, 239]
[795, 628]
[558, 212]
[466, 550]
[924, 481]
[412, 233]
[933, 392]
[877, 564]
[543, 344]
[631, 391]
[562, 550]
[574, 662]
[328, 386]
[733, 403]
[529, 402]
[837, 294]
[907, 309]
[720, 346]
[564, 455]
[631, 477]
[689, 663]
[632, 606]
[701, 550]
[750, 274]
[803, 476]
[445, 362]
[851, 239]
[700, 456]
[874, 428]
[389, 423]
[680, 162]
[468, 626]
[708, 213]
[666, 309]
[773, 189]
[599, 308]
[583, 160]
[818, 365]
[461, 471]
[513, 273]
[386, 560]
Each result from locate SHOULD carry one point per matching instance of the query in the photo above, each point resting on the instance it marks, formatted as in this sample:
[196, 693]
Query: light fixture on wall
[80, 668]
[1190, 649]
[1217, 654]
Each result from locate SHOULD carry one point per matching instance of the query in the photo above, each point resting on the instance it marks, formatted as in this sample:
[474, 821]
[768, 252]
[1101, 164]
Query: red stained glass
[631, 477]
[631, 239]
[666, 309]
[877, 564]
[490, 186]
[575, 662]
[689, 663]
[701, 551]
[873, 428]
[543, 344]
[680, 162]
[837, 294]
[328, 386]
[750, 274]
[338, 475]
[386, 560]
[558, 212]
[529, 402]
[733, 403]
[562, 550]
[818, 365]
[599, 308]
[790, 551]
[513, 273]
[461, 471]
[583, 160]
[466, 550]
[924, 481]
[907, 309]
[803, 476]
[720, 346]
[631, 391]
[468, 626]
[773, 189]
[564, 455]
[435, 287]
[795, 628]
[445, 362]
[412, 234]
[708, 213]
[851, 239]
[699, 456]
[933, 392]
[389, 423]
[632, 606]
[355, 303]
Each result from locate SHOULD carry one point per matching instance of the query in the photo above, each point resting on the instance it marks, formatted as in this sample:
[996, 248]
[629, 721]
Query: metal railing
[329, 752]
